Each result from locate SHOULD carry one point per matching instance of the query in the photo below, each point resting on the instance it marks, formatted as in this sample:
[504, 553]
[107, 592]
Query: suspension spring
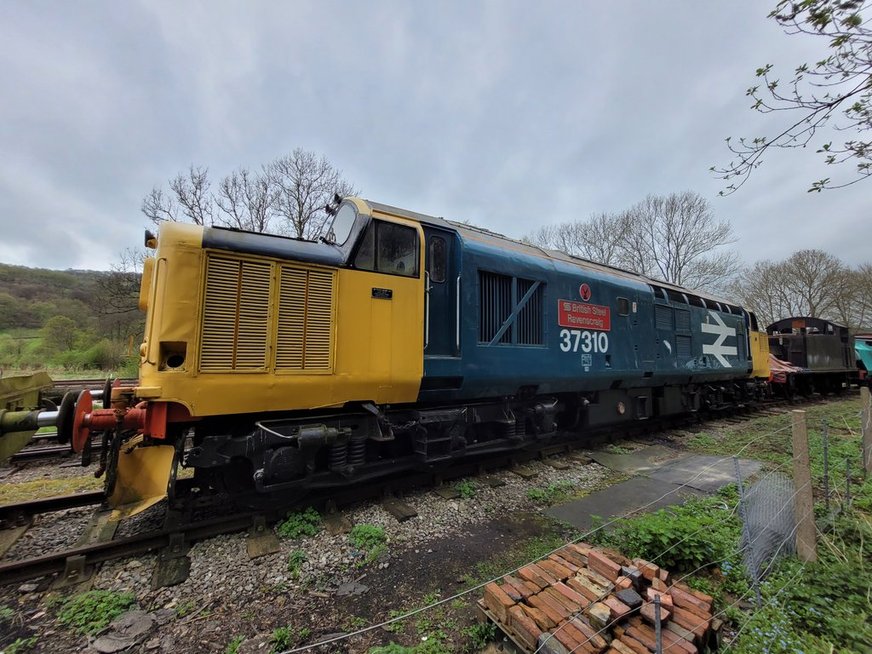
[338, 455]
[357, 450]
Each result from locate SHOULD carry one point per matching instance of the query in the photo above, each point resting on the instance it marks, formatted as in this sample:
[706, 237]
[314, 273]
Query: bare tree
[159, 206]
[247, 200]
[808, 283]
[294, 188]
[118, 305]
[836, 88]
[305, 183]
[189, 196]
[676, 238]
[597, 239]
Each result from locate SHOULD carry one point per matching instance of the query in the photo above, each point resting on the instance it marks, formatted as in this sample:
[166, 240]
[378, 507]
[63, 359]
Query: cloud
[507, 114]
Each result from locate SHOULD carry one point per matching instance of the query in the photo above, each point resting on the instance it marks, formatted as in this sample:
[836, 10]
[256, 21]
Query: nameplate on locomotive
[579, 315]
[382, 293]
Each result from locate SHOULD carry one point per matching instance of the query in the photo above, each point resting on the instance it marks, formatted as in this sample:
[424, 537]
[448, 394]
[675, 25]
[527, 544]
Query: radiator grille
[662, 317]
[682, 320]
[683, 347]
[235, 315]
[303, 337]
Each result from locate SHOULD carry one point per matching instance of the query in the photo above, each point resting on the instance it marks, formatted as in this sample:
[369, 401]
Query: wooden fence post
[806, 545]
[866, 429]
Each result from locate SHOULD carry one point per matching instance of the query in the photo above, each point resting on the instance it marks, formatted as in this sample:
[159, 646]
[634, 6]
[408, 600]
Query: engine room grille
[235, 315]
[303, 337]
[238, 322]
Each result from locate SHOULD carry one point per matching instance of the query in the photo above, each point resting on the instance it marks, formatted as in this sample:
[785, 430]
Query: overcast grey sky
[508, 114]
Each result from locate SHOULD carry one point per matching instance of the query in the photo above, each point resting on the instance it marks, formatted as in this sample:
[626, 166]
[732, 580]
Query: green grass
[296, 559]
[92, 611]
[369, 538]
[552, 493]
[233, 645]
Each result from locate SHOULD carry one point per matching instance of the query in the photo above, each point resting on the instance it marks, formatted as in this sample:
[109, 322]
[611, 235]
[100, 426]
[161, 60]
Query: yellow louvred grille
[239, 329]
[305, 320]
[235, 315]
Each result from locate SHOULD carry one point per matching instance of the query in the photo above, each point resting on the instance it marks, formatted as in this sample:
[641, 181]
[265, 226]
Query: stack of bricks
[590, 601]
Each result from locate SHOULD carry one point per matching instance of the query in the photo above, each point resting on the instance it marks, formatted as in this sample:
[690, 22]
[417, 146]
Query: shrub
[303, 523]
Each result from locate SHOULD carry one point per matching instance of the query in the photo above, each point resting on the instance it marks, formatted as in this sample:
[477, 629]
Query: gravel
[227, 593]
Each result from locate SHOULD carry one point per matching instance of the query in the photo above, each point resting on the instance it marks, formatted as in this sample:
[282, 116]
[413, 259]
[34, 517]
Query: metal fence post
[658, 634]
[806, 545]
[825, 436]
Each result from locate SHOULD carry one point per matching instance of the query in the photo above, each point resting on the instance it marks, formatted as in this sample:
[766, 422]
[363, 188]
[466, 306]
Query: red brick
[690, 601]
[623, 583]
[566, 563]
[673, 644]
[663, 574]
[635, 645]
[556, 614]
[616, 556]
[596, 578]
[531, 574]
[569, 593]
[524, 628]
[559, 572]
[497, 601]
[665, 598]
[544, 573]
[582, 549]
[648, 570]
[571, 555]
[538, 616]
[618, 609]
[571, 606]
[603, 565]
[647, 612]
[585, 587]
[590, 634]
[656, 584]
[520, 586]
[566, 639]
[644, 635]
[510, 590]
[619, 647]
[690, 621]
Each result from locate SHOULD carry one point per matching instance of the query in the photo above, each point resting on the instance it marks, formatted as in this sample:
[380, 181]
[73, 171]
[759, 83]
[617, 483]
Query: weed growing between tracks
[93, 610]
[303, 523]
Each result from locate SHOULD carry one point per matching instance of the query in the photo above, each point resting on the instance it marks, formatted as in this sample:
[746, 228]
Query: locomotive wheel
[65, 417]
[81, 433]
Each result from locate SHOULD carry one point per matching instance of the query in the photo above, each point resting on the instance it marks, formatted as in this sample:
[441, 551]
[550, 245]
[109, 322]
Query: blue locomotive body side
[537, 322]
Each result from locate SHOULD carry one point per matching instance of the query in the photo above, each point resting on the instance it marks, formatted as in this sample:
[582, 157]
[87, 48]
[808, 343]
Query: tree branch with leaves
[834, 92]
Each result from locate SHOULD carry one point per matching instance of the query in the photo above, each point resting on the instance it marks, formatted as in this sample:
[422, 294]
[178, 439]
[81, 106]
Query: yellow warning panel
[143, 476]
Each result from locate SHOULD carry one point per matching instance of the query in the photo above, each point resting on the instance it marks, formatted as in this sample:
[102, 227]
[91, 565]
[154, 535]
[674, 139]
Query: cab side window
[389, 248]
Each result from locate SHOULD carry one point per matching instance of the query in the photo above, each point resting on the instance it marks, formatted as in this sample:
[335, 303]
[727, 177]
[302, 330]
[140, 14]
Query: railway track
[248, 511]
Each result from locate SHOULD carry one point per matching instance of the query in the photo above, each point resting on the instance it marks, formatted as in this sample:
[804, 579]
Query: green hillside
[74, 320]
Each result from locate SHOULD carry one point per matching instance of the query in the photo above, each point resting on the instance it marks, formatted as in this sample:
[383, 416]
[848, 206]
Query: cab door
[441, 327]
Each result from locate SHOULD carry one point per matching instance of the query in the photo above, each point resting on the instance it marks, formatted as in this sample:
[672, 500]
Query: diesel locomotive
[395, 341]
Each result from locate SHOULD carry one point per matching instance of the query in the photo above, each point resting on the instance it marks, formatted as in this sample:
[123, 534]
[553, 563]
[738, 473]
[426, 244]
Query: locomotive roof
[482, 235]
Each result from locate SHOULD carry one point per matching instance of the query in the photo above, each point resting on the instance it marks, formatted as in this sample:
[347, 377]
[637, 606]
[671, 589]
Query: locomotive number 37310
[571, 340]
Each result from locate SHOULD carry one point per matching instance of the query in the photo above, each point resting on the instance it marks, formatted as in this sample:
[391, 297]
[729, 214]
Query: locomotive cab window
[342, 224]
[437, 260]
[623, 306]
[389, 248]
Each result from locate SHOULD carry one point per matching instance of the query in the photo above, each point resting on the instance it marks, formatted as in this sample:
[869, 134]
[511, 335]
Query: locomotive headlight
[622, 409]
